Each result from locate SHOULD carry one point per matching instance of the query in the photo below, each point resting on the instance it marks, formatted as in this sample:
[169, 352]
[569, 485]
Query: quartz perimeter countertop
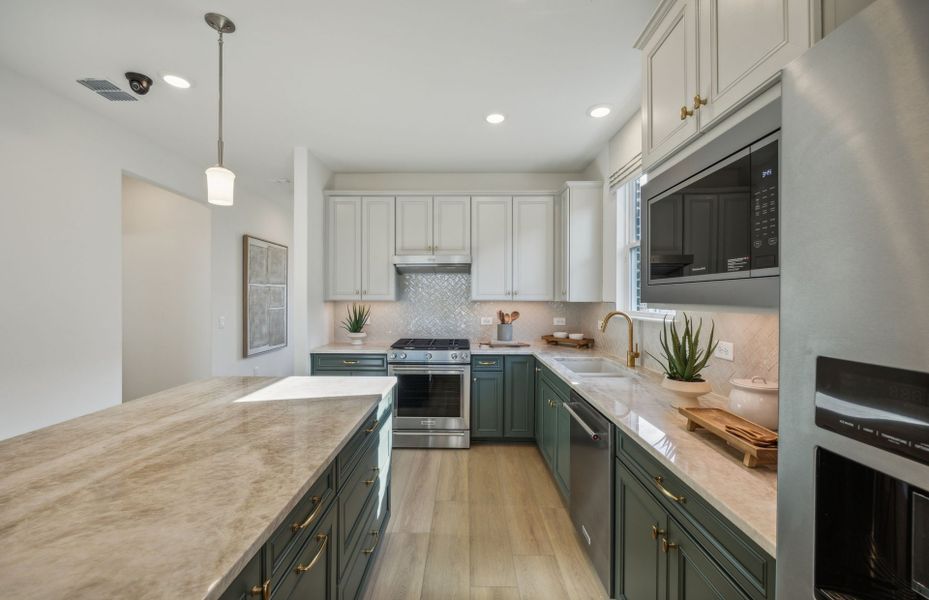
[641, 408]
[168, 496]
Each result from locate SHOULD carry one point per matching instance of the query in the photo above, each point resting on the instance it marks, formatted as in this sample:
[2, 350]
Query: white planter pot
[755, 399]
[687, 391]
[357, 339]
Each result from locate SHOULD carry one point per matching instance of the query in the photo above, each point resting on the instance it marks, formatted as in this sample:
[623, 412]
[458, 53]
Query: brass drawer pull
[659, 480]
[317, 502]
[377, 537]
[552, 403]
[698, 102]
[666, 545]
[686, 112]
[323, 540]
[487, 363]
[371, 481]
[372, 427]
[656, 532]
[349, 362]
[263, 590]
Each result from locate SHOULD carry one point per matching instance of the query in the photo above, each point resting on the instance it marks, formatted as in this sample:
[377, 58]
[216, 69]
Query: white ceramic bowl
[561, 334]
[755, 399]
[576, 336]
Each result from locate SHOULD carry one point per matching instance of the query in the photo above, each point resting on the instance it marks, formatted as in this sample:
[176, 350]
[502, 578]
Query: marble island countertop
[170, 495]
[641, 408]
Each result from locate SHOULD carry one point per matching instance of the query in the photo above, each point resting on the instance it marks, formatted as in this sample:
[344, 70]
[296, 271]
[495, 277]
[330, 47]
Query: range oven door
[432, 397]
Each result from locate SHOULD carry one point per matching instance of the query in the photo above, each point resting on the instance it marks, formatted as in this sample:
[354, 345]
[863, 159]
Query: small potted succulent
[354, 323]
[684, 358]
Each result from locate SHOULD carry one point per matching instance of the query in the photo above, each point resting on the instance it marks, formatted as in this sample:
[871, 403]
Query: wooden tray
[584, 343]
[499, 344]
[715, 420]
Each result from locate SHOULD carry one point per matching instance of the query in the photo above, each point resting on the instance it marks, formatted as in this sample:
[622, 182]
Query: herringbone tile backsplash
[440, 305]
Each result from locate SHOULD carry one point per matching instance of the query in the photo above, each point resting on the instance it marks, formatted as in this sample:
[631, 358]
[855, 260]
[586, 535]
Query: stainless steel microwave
[709, 238]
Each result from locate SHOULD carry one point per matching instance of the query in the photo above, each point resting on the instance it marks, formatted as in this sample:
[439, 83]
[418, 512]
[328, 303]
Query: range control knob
[454, 356]
[392, 355]
[464, 356]
[428, 355]
[403, 355]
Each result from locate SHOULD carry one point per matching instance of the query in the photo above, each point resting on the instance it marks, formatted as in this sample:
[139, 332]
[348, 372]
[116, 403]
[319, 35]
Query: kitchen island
[172, 495]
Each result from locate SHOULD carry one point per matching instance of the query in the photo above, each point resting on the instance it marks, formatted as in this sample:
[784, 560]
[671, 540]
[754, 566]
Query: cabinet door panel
[519, 401]
[692, 575]
[743, 47]
[491, 247]
[639, 572]
[313, 572]
[452, 225]
[562, 226]
[414, 225]
[487, 395]
[533, 247]
[670, 82]
[378, 280]
[585, 250]
[344, 249]
[563, 449]
[549, 423]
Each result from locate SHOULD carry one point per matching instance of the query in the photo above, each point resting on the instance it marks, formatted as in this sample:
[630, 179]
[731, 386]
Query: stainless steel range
[433, 402]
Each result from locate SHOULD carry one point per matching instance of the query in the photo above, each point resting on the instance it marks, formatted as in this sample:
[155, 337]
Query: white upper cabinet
[533, 247]
[579, 269]
[492, 247]
[359, 247]
[343, 271]
[378, 276]
[414, 225]
[705, 59]
[744, 45]
[670, 71]
[452, 225]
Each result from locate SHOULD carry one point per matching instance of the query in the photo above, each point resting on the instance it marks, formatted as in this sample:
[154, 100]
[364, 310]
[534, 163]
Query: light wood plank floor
[485, 523]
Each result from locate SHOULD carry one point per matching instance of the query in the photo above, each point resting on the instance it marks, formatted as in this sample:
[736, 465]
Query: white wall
[61, 170]
[471, 182]
[166, 289]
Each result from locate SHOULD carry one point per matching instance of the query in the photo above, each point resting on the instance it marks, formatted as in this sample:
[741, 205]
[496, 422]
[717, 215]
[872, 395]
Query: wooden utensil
[500, 316]
[514, 315]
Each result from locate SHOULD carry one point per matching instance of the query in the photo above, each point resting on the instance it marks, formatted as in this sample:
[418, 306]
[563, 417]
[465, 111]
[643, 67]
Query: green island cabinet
[325, 547]
[670, 544]
[503, 397]
[349, 365]
[553, 426]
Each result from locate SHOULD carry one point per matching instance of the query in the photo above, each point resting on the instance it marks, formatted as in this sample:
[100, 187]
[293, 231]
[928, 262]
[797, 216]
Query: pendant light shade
[220, 181]
[219, 185]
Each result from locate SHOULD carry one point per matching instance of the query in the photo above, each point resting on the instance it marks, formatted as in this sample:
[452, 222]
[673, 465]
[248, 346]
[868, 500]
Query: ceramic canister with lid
[755, 399]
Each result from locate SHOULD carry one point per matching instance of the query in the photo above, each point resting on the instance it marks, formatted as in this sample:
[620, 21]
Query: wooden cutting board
[715, 420]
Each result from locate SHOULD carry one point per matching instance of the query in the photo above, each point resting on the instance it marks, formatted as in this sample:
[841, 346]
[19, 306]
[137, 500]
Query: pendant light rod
[221, 24]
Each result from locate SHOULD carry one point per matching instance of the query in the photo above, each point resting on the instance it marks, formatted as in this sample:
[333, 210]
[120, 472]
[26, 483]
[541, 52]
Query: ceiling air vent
[107, 89]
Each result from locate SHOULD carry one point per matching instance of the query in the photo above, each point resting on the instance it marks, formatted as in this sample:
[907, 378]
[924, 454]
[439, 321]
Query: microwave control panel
[765, 193]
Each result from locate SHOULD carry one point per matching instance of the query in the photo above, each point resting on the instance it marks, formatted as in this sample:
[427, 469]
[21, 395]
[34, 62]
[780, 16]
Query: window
[629, 238]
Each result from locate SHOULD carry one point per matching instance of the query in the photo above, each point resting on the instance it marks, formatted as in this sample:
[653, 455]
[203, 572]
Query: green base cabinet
[519, 397]
[554, 434]
[503, 397]
[487, 404]
[349, 365]
[640, 520]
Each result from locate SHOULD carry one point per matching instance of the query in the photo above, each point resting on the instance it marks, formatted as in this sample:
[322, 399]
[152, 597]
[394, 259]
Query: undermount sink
[593, 367]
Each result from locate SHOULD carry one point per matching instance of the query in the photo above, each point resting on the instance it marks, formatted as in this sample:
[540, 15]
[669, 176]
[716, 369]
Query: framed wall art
[264, 295]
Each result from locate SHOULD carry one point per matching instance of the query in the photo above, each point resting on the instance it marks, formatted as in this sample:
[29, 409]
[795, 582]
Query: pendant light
[220, 180]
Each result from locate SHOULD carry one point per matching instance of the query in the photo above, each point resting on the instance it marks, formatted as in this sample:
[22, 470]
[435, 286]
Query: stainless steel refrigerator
[853, 510]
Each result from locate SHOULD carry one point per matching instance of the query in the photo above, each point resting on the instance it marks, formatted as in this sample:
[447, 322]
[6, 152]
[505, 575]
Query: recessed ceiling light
[176, 81]
[599, 111]
[495, 118]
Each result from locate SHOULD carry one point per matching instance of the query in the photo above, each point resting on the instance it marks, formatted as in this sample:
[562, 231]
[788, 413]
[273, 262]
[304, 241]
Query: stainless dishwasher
[592, 484]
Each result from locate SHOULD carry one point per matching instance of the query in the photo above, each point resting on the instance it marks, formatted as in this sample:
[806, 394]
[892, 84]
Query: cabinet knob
[656, 532]
[698, 102]
[263, 590]
[686, 112]
[515, 293]
[666, 545]
[357, 292]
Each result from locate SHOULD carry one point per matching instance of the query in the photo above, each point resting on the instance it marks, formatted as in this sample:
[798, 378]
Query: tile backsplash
[440, 305]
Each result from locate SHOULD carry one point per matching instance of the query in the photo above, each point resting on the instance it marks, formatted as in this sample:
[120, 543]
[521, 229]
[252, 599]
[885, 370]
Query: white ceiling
[366, 85]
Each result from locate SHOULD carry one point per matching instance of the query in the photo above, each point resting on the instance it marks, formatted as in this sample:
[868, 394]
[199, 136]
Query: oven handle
[421, 371]
[430, 432]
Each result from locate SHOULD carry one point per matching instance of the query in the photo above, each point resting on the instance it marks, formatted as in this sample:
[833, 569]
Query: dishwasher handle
[593, 434]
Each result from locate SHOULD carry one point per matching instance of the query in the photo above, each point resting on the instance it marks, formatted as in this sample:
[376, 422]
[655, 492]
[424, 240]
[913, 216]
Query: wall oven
[718, 225]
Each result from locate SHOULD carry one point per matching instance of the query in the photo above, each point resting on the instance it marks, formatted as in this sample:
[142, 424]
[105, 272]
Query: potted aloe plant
[354, 323]
[684, 358]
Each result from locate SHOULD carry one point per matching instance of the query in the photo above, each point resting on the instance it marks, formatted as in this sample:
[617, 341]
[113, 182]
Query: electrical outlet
[487, 320]
[599, 324]
[725, 351]
[558, 321]
[221, 323]
[255, 370]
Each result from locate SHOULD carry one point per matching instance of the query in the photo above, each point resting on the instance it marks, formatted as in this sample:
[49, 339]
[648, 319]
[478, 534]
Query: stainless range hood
[430, 263]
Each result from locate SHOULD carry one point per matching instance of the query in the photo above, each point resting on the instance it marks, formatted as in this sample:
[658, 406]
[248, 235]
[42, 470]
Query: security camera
[139, 83]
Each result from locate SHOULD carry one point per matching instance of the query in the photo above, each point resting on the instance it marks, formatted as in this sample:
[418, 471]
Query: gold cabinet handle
[317, 501]
[377, 537]
[686, 112]
[263, 590]
[656, 532]
[349, 362]
[487, 363]
[666, 545]
[698, 102]
[538, 370]
[659, 480]
[371, 481]
[372, 427]
[323, 540]
[552, 403]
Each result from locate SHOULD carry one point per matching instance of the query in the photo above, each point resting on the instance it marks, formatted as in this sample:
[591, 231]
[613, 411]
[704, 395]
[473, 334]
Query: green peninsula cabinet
[503, 397]
[349, 365]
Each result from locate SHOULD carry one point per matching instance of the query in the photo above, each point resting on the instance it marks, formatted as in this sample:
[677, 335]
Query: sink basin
[593, 367]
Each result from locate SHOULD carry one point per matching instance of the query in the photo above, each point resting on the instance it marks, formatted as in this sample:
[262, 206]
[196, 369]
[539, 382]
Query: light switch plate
[221, 323]
[487, 320]
[725, 351]
[558, 321]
